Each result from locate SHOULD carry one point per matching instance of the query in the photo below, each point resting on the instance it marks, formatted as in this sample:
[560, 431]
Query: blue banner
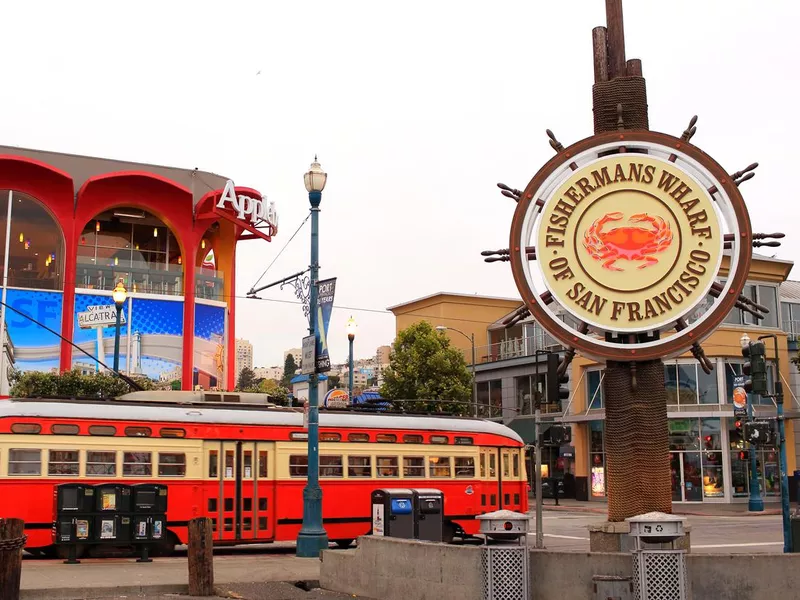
[325, 292]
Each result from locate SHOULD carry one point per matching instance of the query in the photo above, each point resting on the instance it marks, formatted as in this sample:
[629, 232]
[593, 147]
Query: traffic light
[755, 369]
[556, 391]
[759, 433]
[744, 455]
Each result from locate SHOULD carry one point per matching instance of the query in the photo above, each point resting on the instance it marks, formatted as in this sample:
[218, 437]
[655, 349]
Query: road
[716, 535]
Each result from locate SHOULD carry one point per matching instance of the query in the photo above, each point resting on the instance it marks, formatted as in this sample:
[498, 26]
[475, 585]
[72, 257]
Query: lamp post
[351, 335]
[120, 294]
[312, 538]
[471, 339]
[755, 503]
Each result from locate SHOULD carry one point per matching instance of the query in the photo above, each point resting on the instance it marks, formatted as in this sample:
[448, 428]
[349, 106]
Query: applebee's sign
[250, 209]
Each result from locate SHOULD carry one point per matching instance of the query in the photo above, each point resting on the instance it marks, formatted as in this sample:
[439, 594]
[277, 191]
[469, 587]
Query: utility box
[428, 515]
[393, 513]
[112, 497]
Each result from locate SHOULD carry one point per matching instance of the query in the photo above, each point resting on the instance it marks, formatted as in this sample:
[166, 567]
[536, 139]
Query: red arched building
[72, 226]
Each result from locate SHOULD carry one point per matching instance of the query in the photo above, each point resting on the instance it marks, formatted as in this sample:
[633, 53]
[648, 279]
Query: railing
[792, 328]
[141, 277]
[514, 348]
[209, 284]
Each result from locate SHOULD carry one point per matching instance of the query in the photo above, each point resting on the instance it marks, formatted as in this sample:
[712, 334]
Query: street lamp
[312, 538]
[351, 335]
[471, 339]
[754, 503]
[120, 294]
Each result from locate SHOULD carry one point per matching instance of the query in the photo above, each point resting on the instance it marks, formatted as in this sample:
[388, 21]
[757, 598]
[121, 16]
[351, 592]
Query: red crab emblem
[630, 243]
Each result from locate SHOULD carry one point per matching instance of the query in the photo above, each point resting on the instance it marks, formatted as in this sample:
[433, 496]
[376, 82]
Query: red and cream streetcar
[244, 465]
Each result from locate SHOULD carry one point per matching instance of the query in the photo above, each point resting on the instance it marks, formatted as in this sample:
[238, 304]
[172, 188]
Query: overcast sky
[416, 109]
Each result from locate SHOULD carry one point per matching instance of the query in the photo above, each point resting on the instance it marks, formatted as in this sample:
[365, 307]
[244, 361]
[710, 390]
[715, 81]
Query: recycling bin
[392, 513]
[149, 498]
[112, 497]
[428, 515]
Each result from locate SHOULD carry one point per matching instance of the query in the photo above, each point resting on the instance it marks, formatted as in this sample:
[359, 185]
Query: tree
[334, 381]
[289, 370]
[424, 367]
[246, 380]
[276, 392]
[71, 384]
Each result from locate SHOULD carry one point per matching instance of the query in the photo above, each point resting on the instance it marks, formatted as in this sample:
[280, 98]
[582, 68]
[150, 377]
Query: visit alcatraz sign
[630, 243]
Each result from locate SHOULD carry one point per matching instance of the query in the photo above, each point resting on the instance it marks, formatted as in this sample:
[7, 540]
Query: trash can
[428, 515]
[392, 513]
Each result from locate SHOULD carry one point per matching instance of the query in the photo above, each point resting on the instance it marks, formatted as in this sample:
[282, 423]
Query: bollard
[12, 540]
[201, 558]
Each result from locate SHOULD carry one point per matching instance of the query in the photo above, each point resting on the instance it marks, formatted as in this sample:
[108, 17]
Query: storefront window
[696, 459]
[36, 244]
[687, 383]
[597, 459]
[133, 245]
[712, 459]
[594, 389]
[741, 464]
[707, 388]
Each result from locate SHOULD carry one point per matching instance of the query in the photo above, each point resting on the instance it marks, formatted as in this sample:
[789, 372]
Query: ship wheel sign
[631, 246]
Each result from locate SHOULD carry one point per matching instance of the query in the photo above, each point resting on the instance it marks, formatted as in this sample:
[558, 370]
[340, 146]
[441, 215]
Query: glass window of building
[765, 295]
[528, 393]
[594, 392]
[696, 459]
[790, 319]
[36, 244]
[687, 384]
[490, 398]
[766, 459]
[597, 458]
[133, 245]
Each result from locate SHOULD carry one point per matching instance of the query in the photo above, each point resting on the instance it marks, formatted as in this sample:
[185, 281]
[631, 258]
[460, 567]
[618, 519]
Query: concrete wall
[395, 569]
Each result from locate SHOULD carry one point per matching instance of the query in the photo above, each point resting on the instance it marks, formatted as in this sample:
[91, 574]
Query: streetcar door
[229, 484]
[509, 473]
[489, 472]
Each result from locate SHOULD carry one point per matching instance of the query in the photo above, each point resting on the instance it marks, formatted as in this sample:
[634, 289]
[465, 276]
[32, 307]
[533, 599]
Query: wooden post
[201, 558]
[600, 47]
[634, 67]
[616, 39]
[12, 540]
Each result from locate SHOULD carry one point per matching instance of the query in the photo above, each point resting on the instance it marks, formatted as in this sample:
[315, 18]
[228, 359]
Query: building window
[101, 463]
[137, 464]
[696, 459]
[36, 246]
[63, 462]
[687, 384]
[594, 390]
[790, 320]
[765, 295]
[490, 398]
[171, 464]
[597, 459]
[24, 462]
[131, 244]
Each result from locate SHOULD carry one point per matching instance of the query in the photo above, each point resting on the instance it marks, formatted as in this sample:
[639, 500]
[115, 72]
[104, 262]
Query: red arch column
[230, 372]
[68, 305]
[189, 285]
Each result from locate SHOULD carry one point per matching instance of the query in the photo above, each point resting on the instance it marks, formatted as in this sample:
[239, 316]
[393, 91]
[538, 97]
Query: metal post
[312, 538]
[350, 339]
[538, 482]
[116, 339]
[474, 383]
[756, 502]
[787, 532]
[3, 375]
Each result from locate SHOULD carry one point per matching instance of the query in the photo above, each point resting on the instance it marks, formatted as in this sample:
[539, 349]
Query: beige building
[244, 355]
[297, 354]
[269, 373]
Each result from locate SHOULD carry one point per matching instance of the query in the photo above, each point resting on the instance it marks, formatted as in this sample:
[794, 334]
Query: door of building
[687, 480]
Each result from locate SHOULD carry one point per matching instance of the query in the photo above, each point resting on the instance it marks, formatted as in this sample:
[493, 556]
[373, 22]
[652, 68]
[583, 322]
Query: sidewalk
[695, 510]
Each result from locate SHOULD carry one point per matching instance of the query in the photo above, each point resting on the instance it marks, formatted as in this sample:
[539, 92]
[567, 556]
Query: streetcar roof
[195, 413]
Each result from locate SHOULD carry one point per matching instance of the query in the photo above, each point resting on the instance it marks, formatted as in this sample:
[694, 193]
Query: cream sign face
[629, 242]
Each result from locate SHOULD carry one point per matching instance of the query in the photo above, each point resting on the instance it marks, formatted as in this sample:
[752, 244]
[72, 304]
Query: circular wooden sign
[630, 246]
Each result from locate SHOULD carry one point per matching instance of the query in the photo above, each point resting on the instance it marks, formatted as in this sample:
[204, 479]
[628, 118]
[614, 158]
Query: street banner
[739, 397]
[325, 292]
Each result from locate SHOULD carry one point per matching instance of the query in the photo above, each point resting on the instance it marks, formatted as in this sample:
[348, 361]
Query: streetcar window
[248, 464]
[331, 466]
[137, 464]
[24, 462]
[213, 464]
[483, 465]
[101, 463]
[515, 464]
[506, 467]
[386, 437]
[64, 429]
[228, 464]
[439, 439]
[63, 462]
[413, 466]
[262, 463]
[387, 466]
[298, 465]
[247, 504]
[26, 428]
[138, 431]
[465, 466]
[212, 505]
[262, 504]
[298, 436]
[464, 441]
[171, 464]
[172, 432]
[357, 437]
[359, 466]
[439, 466]
[330, 436]
[412, 439]
[102, 430]
[492, 466]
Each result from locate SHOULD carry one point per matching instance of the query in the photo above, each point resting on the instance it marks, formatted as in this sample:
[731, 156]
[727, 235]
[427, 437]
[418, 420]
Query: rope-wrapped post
[201, 558]
[636, 440]
[12, 541]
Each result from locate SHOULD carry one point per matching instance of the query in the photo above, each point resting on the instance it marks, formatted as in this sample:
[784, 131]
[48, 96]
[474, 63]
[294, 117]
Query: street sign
[309, 352]
[99, 316]
[739, 397]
